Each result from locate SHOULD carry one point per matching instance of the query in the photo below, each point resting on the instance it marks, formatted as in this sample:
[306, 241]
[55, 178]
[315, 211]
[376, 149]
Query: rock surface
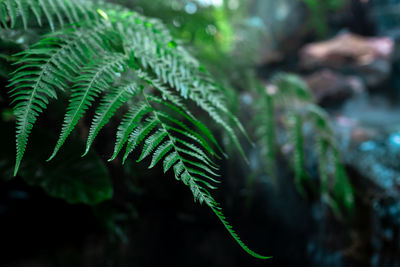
[329, 87]
[370, 58]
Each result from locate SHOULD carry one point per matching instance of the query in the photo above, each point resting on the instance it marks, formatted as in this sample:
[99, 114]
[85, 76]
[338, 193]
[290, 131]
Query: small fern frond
[161, 151]
[235, 236]
[342, 188]
[138, 135]
[295, 129]
[183, 75]
[93, 80]
[24, 13]
[47, 67]
[34, 5]
[151, 143]
[295, 95]
[291, 88]
[32, 89]
[56, 12]
[266, 127]
[322, 149]
[109, 105]
[177, 106]
[162, 139]
[128, 124]
[292, 98]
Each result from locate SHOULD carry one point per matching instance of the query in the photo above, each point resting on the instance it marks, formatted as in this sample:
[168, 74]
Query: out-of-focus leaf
[75, 179]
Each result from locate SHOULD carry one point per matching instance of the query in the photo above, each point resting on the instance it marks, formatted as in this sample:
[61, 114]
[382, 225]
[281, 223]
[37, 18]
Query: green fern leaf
[296, 136]
[36, 10]
[144, 49]
[12, 11]
[24, 12]
[96, 78]
[45, 7]
[116, 53]
[188, 176]
[3, 15]
[228, 227]
[128, 124]
[161, 151]
[53, 10]
[170, 161]
[110, 103]
[151, 143]
[47, 66]
[179, 108]
[138, 135]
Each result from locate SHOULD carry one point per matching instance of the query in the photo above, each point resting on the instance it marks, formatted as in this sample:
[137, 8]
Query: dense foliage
[103, 50]
[89, 53]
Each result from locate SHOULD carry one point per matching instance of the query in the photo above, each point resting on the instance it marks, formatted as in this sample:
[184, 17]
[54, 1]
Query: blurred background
[344, 52]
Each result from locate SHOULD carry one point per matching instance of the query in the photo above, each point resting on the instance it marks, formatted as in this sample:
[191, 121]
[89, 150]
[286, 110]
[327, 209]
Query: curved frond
[102, 51]
[128, 124]
[46, 68]
[109, 105]
[180, 72]
[167, 144]
[235, 236]
[56, 12]
[94, 79]
[292, 95]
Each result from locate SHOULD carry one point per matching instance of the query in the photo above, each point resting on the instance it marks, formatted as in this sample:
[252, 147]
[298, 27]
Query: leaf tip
[103, 14]
[16, 167]
[86, 152]
[51, 157]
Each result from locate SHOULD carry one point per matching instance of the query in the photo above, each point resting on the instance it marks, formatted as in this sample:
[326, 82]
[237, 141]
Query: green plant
[288, 95]
[103, 51]
[319, 10]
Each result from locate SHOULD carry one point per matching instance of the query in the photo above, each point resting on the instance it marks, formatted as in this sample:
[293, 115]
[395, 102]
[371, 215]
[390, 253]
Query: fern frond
[265, 127]
[109, 105]
[291, 89]
[12, 9]
[295, 100]
[165, 145]
[138, 135]
[110, 51]
[235, 236]
[24, 13]
[188, 176]
[34, 5]
[96, 78]
[151, 143]
[322, 149]
[270, 135]
[46, 67]
[296, 136]
[128, 124]
[32, 90]
[183, 75]
[57, 12]
[178, 107]
[342, 188]
[161, 151]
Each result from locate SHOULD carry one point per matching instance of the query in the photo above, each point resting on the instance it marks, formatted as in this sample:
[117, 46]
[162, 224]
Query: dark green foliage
[69, 177]
[75, 179]
[266, 127]
[295, 131]
[319, 12]
[290, 96]
[99, 51]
